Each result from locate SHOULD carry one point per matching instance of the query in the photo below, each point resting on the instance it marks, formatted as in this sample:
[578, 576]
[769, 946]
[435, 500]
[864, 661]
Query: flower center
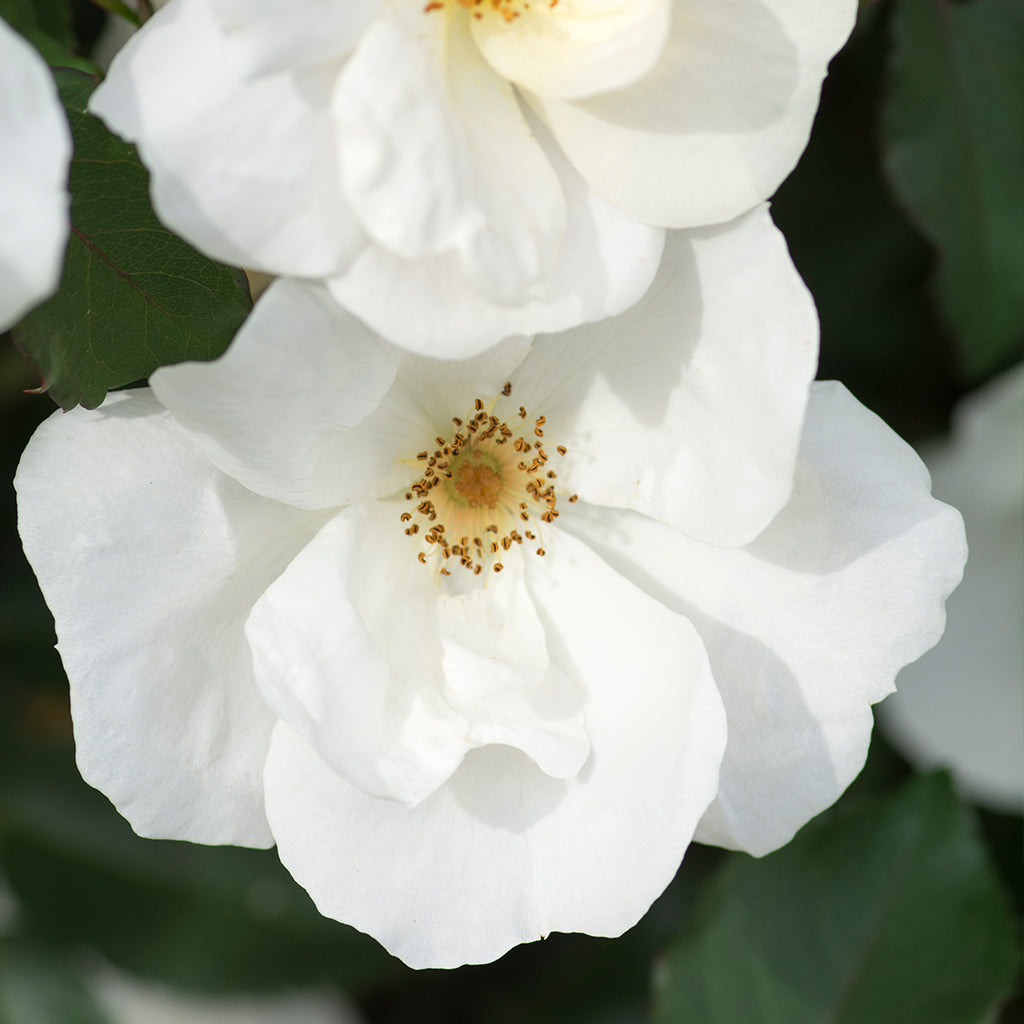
[509, 10]
[487, 486]
[476, 478]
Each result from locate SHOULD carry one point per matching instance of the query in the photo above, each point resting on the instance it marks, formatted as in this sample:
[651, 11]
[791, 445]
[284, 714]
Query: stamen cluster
[483, 489]
[508, 9]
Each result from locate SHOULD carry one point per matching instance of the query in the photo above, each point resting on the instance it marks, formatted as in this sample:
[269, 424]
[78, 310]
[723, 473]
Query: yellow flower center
[476, 479]
[487, 486]
[509, 10]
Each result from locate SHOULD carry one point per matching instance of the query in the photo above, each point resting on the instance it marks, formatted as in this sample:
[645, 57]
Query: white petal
[244, 169]
[436, 156]
[962, 704]
[719, 122]
[443, 388]
[319, 665]
[498, 674]
[606, 262]
[353, 652]
[36, 147]
[150, 560]
[688, 407]
[310, 408]
[504, 853]
[575, 48]
[807, 626]
[271, 35]
[277, 410]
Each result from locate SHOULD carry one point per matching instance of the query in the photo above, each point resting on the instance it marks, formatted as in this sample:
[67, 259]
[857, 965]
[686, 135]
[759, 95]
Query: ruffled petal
[380, 724]
[36, 147]
[503, 853]
[309, 407]
[436, 156]
[150, 560]
[688, 407]
[808, 626]
[284, 410]
[270, 35]
[499, 676]
[244, 169]
[606, 262]
[357, 650]
[721, 119]
[575, 48]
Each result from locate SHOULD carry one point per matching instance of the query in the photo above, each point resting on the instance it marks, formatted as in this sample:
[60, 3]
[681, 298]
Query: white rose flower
[36, 146]
[483, 645]
[460, 171]
[963, 705]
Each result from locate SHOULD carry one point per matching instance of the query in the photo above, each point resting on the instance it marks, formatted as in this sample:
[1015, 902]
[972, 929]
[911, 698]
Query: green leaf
[885, 914]
[46, 24]
[52, 17]
[954, 151]
[214, 919]
[133, 296]
[122, 10]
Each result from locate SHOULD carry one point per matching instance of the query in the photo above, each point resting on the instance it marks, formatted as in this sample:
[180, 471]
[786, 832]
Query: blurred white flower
[460, 171]
[962, 706]
[128, 1000]
[36, 147]
[483, 645]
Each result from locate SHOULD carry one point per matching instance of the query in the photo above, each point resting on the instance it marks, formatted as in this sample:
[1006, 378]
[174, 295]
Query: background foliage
[897, 906]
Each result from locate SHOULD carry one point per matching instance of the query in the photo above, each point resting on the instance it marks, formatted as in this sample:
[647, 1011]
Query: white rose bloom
[460, 171]
[963, 705]
[483, 645]
[36, 147]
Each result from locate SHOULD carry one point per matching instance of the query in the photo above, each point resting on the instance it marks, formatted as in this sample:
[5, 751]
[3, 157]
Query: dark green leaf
[121, 9]
[865, 265]
[52, 17]
[954, 140]
[160, 909]
[133, 296]
[886, 914]
[46, 24]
